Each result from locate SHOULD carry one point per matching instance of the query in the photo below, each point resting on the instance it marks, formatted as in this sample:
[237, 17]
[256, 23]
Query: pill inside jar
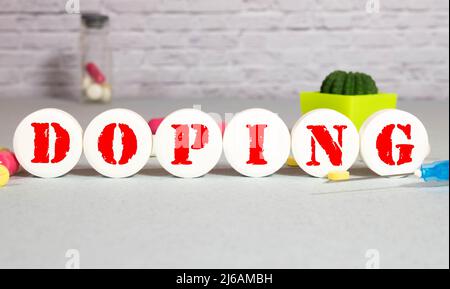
[96, 55]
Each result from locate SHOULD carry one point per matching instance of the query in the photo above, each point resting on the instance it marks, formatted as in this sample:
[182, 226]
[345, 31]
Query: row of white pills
[189, 143]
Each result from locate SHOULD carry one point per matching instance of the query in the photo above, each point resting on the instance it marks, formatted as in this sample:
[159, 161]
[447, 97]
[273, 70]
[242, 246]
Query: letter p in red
[182, 140]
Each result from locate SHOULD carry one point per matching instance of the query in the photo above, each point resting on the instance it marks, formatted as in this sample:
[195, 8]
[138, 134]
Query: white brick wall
[229, 48]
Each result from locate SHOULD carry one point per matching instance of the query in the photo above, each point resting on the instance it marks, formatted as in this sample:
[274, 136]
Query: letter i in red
[257, 144]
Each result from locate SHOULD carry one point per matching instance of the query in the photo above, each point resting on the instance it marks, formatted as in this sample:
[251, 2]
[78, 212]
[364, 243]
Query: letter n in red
[325, 140]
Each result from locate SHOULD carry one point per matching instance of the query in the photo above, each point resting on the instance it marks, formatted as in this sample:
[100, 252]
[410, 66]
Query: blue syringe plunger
[437, 171]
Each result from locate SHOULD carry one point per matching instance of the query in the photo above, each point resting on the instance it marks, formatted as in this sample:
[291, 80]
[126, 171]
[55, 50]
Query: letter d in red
[48, 143]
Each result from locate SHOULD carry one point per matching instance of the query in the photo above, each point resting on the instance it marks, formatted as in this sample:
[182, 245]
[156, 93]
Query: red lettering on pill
[181, 151]
[42, 143]
[182, 140]
[257, 144]
[129, 144]
[325, 140]
[385, 146]
[202, 137]
[62, 143]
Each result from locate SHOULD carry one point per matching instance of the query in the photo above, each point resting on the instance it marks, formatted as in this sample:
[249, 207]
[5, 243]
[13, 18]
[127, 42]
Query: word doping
[189, 144]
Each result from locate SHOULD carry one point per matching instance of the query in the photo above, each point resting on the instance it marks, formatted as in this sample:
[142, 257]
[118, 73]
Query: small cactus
[349, 83]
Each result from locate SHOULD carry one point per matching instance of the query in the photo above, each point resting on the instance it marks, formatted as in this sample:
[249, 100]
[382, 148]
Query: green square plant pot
[356, 107]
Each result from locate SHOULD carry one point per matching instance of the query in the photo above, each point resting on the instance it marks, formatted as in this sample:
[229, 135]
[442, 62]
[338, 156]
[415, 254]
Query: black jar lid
[94, 20]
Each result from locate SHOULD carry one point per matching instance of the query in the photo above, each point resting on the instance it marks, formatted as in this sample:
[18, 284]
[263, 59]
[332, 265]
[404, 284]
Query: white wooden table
[223, 220]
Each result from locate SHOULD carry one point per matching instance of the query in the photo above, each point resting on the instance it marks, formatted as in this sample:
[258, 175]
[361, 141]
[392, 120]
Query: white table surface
[222, 220]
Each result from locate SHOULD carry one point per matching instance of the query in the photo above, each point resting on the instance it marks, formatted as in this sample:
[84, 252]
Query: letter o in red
[118, 143]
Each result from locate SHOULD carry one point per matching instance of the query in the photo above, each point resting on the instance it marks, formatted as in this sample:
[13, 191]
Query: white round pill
[118, 143]
[323, 141]
[257, 143]
[394, 142]
[188, 143]
[94, 92]
[48, 143]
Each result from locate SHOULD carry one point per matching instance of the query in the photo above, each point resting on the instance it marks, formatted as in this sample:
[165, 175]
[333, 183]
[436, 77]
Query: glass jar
[96, 57]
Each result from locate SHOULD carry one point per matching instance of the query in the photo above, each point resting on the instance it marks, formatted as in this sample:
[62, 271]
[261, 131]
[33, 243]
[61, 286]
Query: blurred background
[228, 48]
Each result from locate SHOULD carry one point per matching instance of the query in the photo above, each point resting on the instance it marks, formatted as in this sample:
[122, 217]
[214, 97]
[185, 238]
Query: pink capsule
[8, 159]
[154, 124]
[222, 126]
[95, 73]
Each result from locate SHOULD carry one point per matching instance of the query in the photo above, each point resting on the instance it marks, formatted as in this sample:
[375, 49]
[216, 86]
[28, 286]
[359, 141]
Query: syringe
[437, 171]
